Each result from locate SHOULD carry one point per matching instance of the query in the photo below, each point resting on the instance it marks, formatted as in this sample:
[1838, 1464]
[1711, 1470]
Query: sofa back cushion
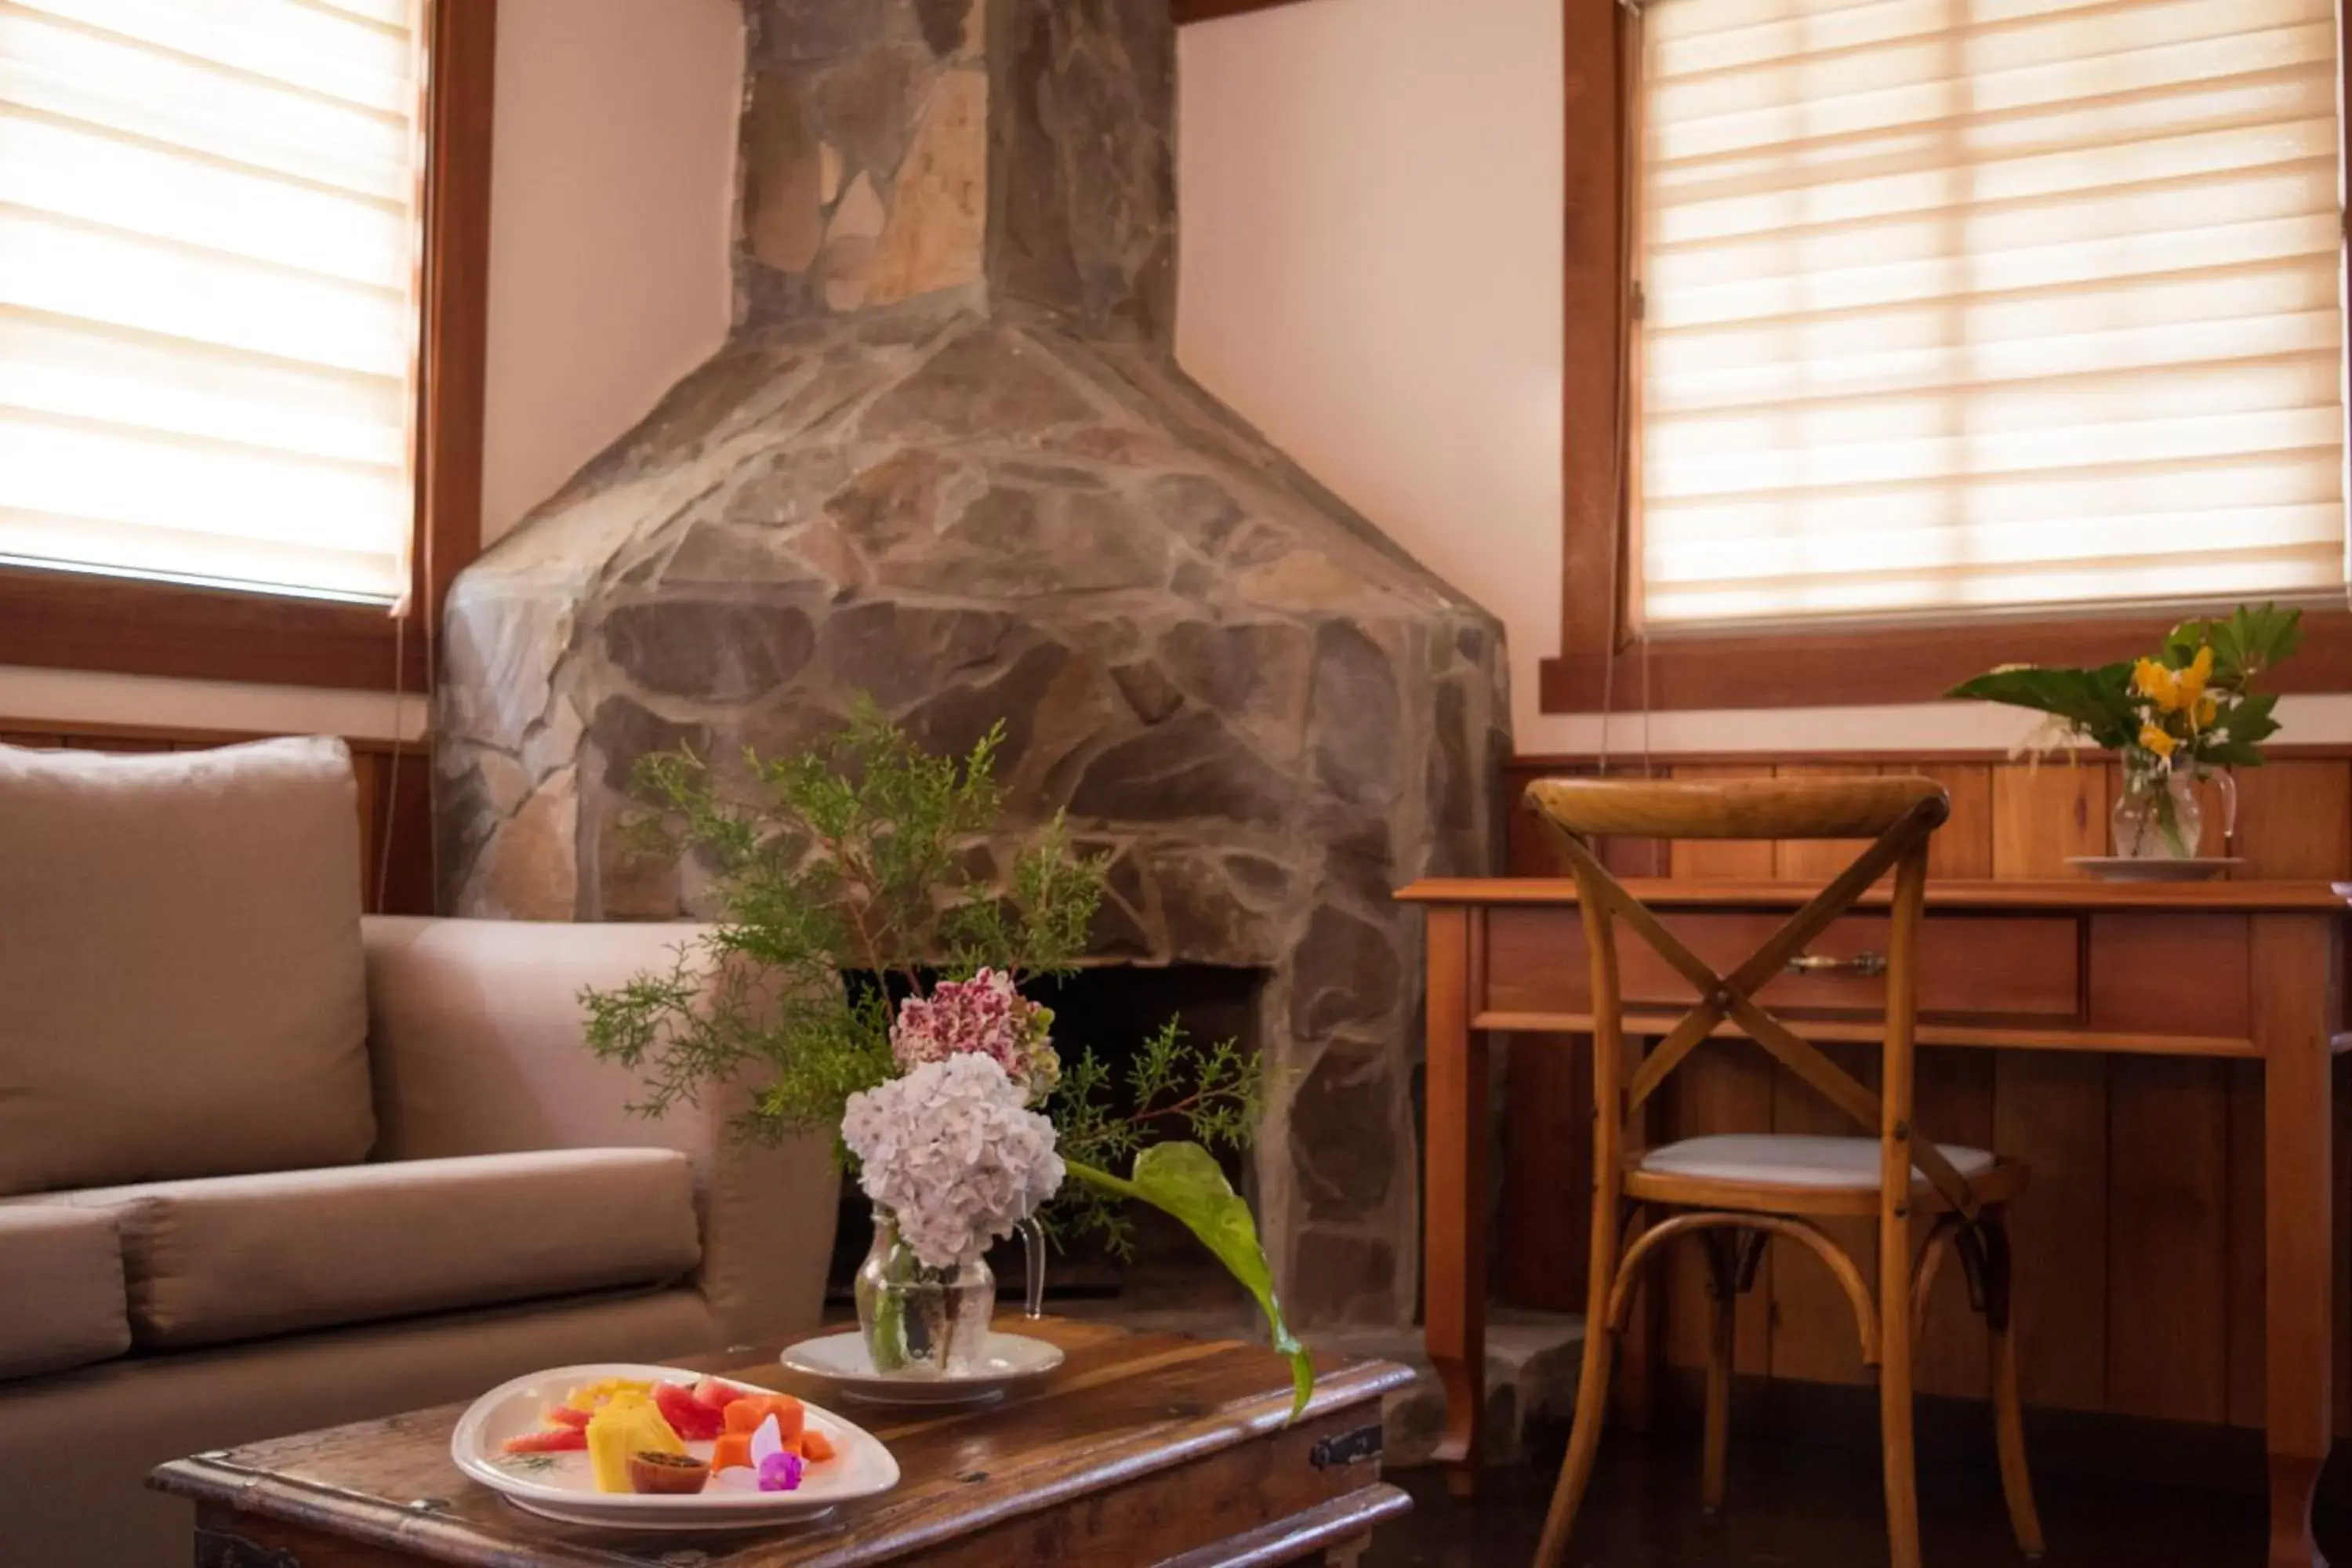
[180, 951]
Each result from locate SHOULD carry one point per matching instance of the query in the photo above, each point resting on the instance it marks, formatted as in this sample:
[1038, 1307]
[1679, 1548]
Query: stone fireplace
[946, 458]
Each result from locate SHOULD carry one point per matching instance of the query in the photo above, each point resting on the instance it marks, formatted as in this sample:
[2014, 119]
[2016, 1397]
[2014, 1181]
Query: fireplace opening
[1114, 1009]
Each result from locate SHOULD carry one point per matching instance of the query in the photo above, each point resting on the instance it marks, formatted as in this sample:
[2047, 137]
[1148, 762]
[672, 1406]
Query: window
[233, 326]
[1949, 308]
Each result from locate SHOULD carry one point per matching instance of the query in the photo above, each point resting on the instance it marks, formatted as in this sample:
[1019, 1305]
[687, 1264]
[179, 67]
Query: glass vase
[919, 1321]
[2161, 816]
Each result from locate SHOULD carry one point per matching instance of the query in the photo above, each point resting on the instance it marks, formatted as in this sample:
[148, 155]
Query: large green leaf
[2096, 701]
[1184, 1179]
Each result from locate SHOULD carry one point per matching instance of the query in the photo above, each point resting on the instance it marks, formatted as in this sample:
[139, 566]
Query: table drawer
[2022, 966]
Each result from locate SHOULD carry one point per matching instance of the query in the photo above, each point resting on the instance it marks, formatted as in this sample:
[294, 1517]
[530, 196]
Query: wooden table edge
[1349, 1517]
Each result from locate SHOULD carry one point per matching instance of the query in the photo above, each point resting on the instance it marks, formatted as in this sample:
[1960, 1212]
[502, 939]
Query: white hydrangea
[952, 1151]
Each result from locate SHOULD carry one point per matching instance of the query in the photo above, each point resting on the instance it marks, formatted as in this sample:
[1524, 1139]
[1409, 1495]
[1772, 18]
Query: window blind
[208, 253]
[1957, 305]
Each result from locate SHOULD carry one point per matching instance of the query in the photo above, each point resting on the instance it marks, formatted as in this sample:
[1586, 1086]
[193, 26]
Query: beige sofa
[266, 1165]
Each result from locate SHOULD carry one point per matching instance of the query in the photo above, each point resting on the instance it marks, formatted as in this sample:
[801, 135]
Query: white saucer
[841, 1360]
[2131, 868]
[558, 1486]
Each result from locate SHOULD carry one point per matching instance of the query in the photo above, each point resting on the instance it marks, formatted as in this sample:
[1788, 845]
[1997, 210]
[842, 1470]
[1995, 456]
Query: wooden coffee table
[1139, 1449]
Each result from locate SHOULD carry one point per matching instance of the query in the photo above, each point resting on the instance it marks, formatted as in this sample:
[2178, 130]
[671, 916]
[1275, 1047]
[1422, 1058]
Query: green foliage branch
[855, 858]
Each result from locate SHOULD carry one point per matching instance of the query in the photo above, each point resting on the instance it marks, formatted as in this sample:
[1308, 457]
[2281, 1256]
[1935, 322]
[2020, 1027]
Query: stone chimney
[1019, 147]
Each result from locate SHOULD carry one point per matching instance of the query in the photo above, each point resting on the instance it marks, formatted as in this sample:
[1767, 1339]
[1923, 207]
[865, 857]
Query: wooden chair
[1731, 1193]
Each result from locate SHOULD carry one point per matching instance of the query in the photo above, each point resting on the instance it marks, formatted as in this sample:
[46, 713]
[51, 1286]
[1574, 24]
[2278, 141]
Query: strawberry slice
[564, 1415]
[717, 1392]
[689, 1417]
[551, 1440]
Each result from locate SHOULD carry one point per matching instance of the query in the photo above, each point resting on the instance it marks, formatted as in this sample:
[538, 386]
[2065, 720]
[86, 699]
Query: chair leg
[1583, 1438]
[2009, 1418]
[1591, 1399]
[1723, 1295]
[1894, 1423]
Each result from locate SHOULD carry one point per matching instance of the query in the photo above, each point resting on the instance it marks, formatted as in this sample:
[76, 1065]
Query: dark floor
[1797, 1506]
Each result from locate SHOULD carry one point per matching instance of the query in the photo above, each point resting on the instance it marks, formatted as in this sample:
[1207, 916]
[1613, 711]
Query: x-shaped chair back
[1897, 813]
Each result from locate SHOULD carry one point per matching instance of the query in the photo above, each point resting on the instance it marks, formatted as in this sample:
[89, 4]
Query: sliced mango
[626, 1422]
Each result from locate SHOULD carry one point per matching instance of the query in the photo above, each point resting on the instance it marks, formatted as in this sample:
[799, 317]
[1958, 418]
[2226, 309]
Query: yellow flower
[2154, 738]
[2155, 682]
[2207, 708]
[2188, 686]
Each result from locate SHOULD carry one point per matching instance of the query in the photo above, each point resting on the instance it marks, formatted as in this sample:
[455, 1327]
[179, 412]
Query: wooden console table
[2067, 965]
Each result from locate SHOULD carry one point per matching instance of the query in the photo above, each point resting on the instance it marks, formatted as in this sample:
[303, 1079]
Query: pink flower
[986, 1015]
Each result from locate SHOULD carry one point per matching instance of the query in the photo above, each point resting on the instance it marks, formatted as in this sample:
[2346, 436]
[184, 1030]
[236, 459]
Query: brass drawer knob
[1860, 963]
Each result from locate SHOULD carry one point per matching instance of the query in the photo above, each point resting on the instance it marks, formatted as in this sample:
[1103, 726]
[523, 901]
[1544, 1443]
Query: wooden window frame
[74, 620]
[1833, 667]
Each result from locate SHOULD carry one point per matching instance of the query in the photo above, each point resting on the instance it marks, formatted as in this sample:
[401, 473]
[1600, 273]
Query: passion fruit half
[669, 1474]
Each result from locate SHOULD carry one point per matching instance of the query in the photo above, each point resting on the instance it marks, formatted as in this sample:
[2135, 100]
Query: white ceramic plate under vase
[2130, 868]
[841, 1360]
[559, 1486]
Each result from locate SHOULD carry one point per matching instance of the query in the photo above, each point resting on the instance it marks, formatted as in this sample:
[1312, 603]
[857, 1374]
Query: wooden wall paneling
[2247, 1265]
[1812, 1323]
[407, 883]
[1962, 847]
[1547, 1171]
[32, 742]
[1711, 860]
[2295, 820]
[2340, 1257]
[1952, 1103]
[2044, 813]
[2168, 1326]
[1818, 859]
[2049, 1109]
[365, 770]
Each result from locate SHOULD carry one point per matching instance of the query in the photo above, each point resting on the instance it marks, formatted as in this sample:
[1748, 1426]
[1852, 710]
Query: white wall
[612, 197]
[1370, 193]
[609, 206]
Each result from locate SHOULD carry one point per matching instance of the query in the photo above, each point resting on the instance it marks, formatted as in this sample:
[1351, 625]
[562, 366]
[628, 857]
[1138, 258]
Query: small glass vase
[2159, 816]
[920, 1322]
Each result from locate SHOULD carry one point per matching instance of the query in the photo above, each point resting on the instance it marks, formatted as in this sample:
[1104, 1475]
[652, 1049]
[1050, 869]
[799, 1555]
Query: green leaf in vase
[1184, 1179]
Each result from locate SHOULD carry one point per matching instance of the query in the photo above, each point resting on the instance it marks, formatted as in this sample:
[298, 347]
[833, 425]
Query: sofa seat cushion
[180, 952]
[61, 1279]
[237, 1257]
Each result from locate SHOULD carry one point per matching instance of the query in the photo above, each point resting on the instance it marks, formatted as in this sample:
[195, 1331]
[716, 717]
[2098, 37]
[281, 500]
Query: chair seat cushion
[1791, 1159]
[238, 1257]
[61, 1283]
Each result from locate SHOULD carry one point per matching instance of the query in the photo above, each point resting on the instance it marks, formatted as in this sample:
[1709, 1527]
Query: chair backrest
[1897, 813]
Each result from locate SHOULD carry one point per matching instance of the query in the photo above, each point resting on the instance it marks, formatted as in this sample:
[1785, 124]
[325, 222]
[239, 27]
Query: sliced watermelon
[564, 1415]
[550, 1441]
[718, 1393]
[689, 1417]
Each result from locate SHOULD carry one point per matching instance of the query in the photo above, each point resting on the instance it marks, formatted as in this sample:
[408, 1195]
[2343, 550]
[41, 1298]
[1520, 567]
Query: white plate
[561, 1488]
[2127, 869]
[841, 1360]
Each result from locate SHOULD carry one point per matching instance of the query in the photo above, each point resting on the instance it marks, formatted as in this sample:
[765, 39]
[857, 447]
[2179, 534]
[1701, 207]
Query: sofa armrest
[477, 1040]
